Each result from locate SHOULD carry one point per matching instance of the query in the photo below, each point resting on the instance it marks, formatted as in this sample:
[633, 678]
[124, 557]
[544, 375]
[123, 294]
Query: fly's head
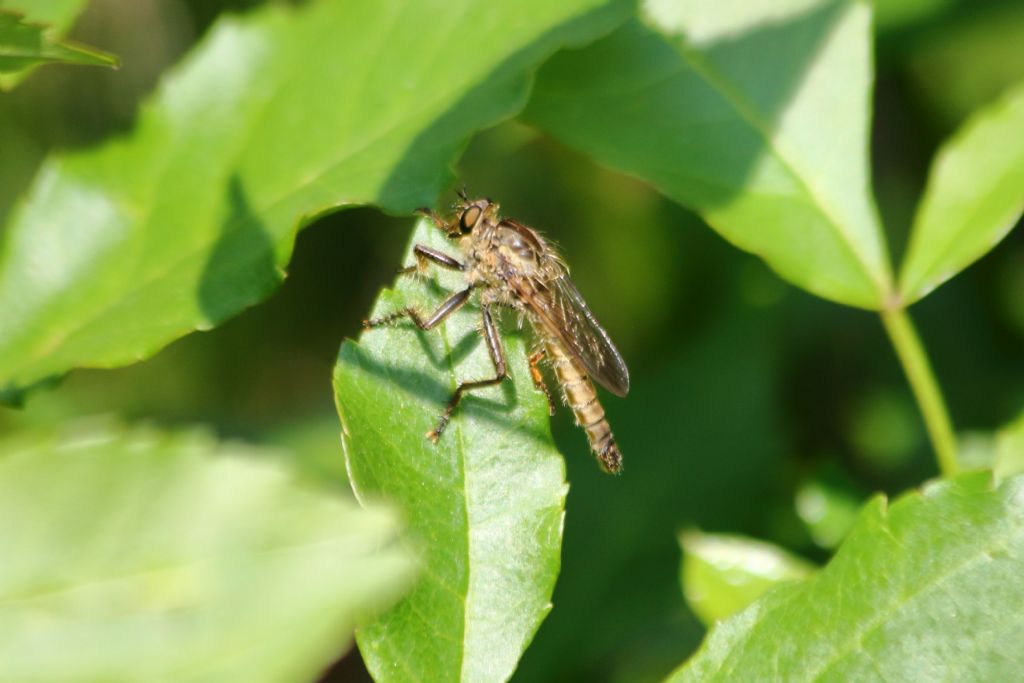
[471, 214]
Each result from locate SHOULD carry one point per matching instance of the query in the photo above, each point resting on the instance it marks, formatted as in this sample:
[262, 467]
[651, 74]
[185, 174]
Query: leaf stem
[924, 385]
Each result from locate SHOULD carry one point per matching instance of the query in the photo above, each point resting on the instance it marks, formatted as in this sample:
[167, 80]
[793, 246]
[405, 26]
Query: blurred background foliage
[713, 339]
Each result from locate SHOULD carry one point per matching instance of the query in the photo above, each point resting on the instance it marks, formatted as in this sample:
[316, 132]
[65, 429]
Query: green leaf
[974, 197]
[57, 15]
[275, 118]
[755, 117]
[313, 448]
[1009, 449]
[26, 43]
[899, 14]
[486, 501]
[922, 590]
[133, 555]
[723, 574]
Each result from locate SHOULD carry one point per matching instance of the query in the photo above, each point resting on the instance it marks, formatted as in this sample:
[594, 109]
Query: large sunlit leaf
[754, 114]
[142, 556]
[975, 195]
[486, 502]
[722, 574]
[923, 590]
[275, 118]
[28, 41]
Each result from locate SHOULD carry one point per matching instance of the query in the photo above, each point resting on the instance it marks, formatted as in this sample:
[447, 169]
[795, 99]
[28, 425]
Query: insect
[511, 265]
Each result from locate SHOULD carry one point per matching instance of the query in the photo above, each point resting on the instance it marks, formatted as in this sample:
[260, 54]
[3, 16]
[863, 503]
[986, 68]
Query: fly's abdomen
[581, 396]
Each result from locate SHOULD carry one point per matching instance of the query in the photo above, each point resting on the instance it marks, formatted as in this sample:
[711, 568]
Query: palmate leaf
[975, 195]
[29, 41]
[722, 574]
[754, 114]
[274, 118]
[133, 555]
[486, 502]
[923, 590]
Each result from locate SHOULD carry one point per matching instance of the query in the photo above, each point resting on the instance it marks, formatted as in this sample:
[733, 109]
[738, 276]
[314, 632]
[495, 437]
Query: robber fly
[511, 265]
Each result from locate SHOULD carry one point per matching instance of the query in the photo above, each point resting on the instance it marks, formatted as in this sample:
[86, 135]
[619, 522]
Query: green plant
[756, 120]
[26, 43]
[208, 529]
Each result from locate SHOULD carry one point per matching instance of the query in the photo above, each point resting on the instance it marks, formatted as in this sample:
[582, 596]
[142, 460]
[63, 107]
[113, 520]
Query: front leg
[450, 305]
[423, 254]
[441, 224]
[493, 342]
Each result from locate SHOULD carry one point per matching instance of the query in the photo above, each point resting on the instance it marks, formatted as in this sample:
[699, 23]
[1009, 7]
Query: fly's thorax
[525, 252]
[519, 244]
[483, 268]
[476, 254]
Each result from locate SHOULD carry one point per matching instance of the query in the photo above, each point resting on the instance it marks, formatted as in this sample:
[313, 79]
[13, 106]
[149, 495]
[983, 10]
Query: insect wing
[563, 312]
[588, 341]
[561, 309]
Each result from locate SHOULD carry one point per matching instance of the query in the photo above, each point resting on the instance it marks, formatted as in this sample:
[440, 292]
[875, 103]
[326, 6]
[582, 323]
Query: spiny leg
[441, 223]
[423, 254]
[493, 342]
[450, 305]
[538, 379]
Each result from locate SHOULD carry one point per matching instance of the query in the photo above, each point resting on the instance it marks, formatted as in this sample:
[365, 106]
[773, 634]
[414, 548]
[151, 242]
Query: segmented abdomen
[581, 396]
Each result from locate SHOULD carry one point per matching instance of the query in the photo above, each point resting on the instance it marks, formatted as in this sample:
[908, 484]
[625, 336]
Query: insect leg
[424, 253]
[497, 357]
[538, 379]
[450, 305]
[437, 220]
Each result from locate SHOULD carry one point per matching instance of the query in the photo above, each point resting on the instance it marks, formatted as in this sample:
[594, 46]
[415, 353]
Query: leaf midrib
[58, 338]
[57, 589]
[748, 113]
[457, 423]
[859, 635]
[142, 216]
[309, 179]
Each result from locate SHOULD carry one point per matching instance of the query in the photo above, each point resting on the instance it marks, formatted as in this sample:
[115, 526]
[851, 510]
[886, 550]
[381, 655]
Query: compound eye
[469, 218]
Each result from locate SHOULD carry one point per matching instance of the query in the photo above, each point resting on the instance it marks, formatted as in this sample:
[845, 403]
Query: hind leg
[535, 359]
